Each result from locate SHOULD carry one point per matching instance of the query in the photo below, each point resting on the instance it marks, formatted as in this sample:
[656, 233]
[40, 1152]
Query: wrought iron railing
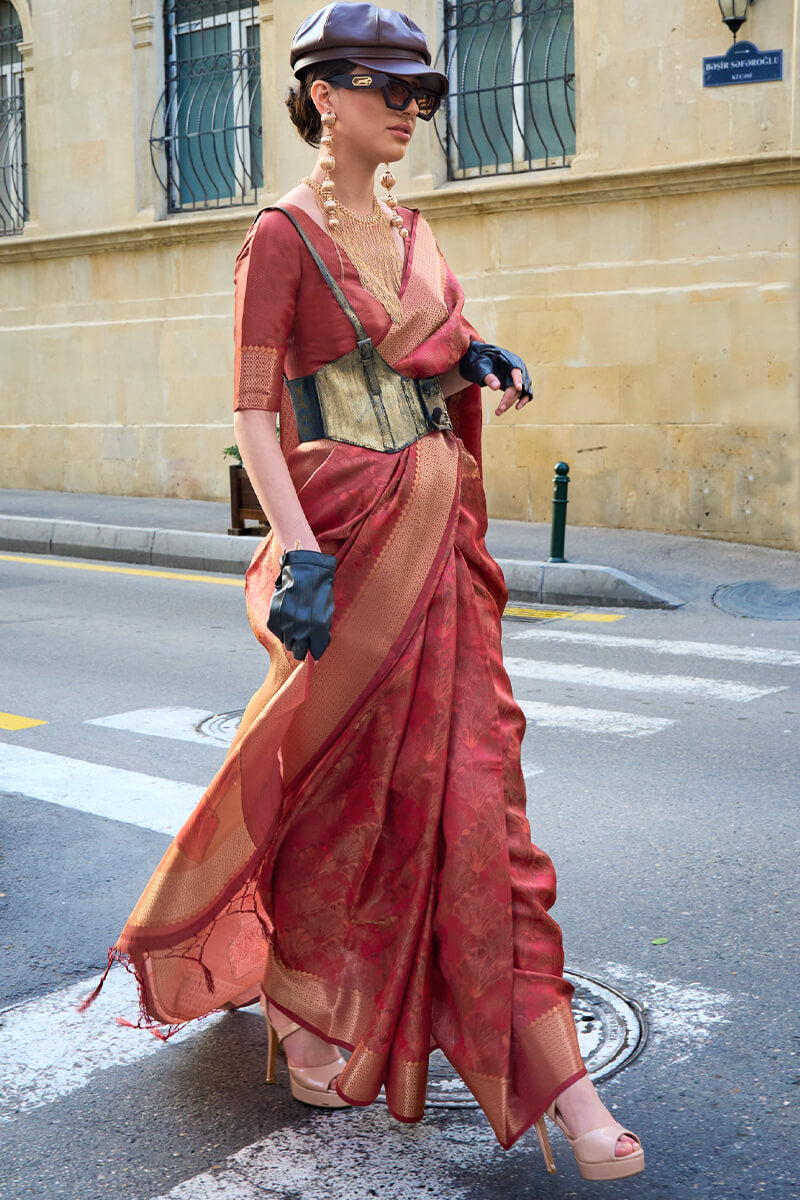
[13, 167]
[511, 105]
[205, 137]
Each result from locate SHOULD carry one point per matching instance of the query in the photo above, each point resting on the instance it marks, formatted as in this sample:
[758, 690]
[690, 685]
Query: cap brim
[435, 80]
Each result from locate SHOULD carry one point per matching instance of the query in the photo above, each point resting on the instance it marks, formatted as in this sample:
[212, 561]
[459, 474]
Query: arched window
[206, 136]
[511, 105]
[13, 181]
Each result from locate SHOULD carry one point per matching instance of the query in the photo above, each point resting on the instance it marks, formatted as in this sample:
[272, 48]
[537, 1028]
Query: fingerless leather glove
[482, 359]
[301, 609]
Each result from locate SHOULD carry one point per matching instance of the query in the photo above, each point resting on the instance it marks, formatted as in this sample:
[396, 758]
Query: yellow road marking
[512, 610]
[60, 562]
[583, 616]
[12, 721]
[558, 614]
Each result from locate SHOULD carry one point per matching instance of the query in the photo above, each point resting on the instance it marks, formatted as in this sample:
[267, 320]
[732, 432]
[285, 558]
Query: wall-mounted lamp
[734, 14]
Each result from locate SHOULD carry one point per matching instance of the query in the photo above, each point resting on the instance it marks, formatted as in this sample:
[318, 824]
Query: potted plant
[245, 505]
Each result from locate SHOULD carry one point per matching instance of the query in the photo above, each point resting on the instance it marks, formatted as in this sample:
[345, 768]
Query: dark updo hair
[302, 109]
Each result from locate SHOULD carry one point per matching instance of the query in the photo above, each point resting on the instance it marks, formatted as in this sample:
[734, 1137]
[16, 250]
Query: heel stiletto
[311, 1085]
[595, 1150]
[544, 1142]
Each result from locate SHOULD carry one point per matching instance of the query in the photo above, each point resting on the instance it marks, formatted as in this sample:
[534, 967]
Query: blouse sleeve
[266, 279]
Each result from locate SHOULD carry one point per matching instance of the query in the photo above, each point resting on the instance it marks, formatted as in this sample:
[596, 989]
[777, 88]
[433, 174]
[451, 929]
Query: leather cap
[379, 39]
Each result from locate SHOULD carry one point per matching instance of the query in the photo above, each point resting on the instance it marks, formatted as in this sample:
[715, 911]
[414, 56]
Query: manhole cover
[612, 1028]
[221, 727]
[612, 1031]
[761, 600]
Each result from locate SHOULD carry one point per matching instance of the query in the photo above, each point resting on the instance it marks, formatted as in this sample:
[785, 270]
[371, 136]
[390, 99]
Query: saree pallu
[364, 851]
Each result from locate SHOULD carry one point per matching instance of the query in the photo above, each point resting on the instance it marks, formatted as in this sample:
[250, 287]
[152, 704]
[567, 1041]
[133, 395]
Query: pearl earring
[388, 181]
[328, 163]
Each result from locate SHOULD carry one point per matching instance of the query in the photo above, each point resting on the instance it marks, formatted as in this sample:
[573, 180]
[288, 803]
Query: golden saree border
[424, 309]
[342, 1016]
[547, 1048]
[402, 574]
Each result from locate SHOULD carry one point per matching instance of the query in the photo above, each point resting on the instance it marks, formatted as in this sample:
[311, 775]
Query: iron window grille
[511, 107]
[13, 165]
[205, 137]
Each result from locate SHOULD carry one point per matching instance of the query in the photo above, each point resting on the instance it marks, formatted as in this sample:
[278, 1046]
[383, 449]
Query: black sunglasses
[396, 93]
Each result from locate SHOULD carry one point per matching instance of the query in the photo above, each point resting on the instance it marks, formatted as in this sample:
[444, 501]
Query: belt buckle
[436, 415]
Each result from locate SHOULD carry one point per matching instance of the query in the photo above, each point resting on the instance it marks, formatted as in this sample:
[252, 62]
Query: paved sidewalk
[607, 566]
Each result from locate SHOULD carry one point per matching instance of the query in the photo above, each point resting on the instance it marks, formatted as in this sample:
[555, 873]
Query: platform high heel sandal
[594, 1150]
[311, 1085]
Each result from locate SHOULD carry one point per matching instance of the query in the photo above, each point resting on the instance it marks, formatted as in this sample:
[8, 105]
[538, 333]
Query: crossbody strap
[364, 342]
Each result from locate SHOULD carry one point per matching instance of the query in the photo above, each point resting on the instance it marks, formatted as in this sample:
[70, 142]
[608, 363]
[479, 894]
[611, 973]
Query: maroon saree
[364, 850]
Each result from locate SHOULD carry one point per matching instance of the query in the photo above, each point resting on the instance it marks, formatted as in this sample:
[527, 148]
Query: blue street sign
[744, 63]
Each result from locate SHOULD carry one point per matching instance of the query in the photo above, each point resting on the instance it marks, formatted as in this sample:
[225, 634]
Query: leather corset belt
[359, 398]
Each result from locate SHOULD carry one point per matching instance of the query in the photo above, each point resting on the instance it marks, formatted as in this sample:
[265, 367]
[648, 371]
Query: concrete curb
[528, 581]
[129, 544]
[580, 583]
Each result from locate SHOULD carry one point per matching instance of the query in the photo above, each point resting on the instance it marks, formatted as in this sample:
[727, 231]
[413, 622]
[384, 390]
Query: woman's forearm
[266, 467]
[452, 381]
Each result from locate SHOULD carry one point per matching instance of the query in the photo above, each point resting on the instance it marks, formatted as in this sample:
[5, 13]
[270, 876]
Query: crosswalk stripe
[630, 681]
[356, 1154]
[168, 722]
[713, 650]
[592, 720]
[161, 805]
[49, 1050]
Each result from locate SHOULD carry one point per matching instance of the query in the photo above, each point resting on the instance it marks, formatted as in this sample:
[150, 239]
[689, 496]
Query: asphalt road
[663, 781]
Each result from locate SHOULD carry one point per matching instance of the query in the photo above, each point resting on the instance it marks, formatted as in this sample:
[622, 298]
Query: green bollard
[561, 484]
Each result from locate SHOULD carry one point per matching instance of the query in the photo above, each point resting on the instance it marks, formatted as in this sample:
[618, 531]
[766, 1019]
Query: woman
[363, 858]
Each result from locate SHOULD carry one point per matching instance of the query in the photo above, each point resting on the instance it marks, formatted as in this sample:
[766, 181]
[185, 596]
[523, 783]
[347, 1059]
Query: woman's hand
[510, 394]
[495, 368]
[301, 609]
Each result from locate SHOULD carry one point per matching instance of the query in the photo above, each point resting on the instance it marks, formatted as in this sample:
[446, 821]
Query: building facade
[631, 233]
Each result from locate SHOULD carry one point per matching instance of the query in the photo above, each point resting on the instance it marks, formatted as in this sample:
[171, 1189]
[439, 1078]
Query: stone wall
[652, 285]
